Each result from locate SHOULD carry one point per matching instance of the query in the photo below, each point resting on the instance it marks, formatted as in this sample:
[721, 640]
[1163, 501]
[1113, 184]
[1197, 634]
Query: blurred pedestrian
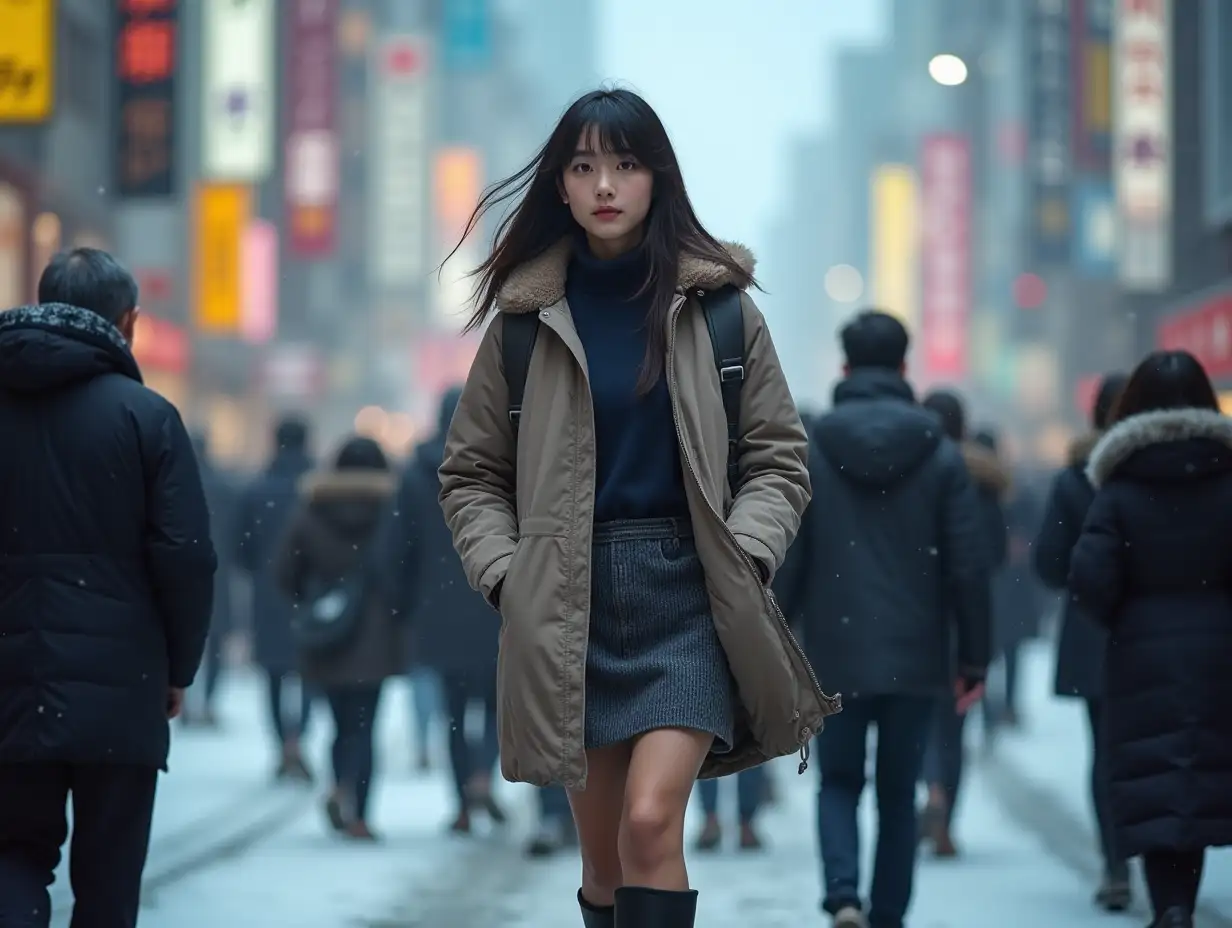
[106, 583]
[221, 495]
[1082, 641]
[945, 757]
[265, 509]
[1154, 566]
[453, 630]
[554, 829]
[897, 585]
[626, 540]
[329, 566]
[750, 795]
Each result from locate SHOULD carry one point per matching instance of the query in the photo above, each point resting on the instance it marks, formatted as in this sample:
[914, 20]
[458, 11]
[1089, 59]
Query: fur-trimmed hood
[1142, 431]
[986, 468]
[541, 281]
[46, 346]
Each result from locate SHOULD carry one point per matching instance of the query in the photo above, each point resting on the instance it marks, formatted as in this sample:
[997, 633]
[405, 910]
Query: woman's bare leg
[662, 770]
[596, 812]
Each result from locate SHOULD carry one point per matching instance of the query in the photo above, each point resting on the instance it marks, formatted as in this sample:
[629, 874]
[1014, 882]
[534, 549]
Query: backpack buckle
[515, 415]
[731, 372]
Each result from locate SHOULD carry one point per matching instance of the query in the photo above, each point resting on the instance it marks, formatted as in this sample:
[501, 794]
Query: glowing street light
[844, 284]
[948, 70]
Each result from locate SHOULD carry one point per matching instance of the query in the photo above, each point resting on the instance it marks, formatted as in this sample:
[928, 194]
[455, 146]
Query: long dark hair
[1166, 380]
[625, 124]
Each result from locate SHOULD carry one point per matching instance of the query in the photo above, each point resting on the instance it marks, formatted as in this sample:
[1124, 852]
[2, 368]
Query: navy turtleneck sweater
[638, 471]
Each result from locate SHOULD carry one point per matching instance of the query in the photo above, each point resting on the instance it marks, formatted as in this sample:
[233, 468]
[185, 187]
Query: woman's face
[608, 195]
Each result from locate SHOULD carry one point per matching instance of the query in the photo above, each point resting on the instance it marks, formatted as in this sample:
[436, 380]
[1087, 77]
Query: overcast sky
[735, 81]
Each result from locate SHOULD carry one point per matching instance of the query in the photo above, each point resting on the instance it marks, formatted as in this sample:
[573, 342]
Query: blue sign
[467, 35]
[1095, 221]
[1050, 226]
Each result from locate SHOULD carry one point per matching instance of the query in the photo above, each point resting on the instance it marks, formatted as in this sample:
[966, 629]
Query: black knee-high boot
[638, 907]
[596, 916]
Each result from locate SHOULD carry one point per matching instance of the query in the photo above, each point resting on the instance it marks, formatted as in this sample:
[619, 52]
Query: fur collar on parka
[985, 468]
[1081, 447]
[541, 281]
[1154, 428]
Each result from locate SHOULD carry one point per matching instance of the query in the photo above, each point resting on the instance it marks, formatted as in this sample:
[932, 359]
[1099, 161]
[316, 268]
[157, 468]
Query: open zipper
[806, 733]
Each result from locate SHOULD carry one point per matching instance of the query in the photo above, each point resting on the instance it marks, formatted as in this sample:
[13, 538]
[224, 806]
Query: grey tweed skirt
[653, 658]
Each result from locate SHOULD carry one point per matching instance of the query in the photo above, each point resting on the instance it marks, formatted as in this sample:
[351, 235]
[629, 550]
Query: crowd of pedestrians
[626, 558]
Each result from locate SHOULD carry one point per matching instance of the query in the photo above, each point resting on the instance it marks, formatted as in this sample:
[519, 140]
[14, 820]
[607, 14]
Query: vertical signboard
[457, 185]
[1142, 141]
[147, 35]
[12, 247]
[945, 254]
[894, 248]
[399, 240]
[259, 278]
[1049, 168]
[1093, 205]
[237, 97]
[27, 60]
[312, 158]
[467, 34]
[222, 213]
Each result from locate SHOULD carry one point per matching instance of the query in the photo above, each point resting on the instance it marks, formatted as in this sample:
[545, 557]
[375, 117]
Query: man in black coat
[265, 509]
[106, 584]
[893, 549]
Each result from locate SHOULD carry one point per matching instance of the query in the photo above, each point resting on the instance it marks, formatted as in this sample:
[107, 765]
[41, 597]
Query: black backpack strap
[518, 334]
[725, 320]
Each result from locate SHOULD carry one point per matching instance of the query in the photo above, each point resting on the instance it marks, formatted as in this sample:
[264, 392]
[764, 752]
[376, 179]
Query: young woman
[332, 537]
[640, 645]
[1154, 566]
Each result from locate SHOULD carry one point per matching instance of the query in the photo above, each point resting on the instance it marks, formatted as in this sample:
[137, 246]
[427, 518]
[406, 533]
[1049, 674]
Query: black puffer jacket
[1154, 564]
[894, 547]
[1081, 644]
[106, 565]
[453, 629]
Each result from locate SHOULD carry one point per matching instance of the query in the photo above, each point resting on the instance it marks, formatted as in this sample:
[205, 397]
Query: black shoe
[596, 916]
[1115, 893]
[638, 907]
[1175, 917]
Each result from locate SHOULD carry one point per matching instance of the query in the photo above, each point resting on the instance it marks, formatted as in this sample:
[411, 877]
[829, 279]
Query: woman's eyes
[582, 167]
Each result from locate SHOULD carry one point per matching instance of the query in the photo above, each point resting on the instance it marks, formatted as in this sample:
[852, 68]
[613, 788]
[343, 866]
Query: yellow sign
[27, 60]
[221, 215]
[895, 242]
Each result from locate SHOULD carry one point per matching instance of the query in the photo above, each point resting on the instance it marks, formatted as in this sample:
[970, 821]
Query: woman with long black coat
[1155, 567]
[1081, 643]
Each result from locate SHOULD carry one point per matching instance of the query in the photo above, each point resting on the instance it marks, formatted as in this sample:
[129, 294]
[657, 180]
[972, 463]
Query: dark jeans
[554, 804]
[902, 732]
[1173, 878]
[1011, 678]
[1114, 863]
[354, 709]
[750, 791]
[112, 808]
[287, 729]
[469, 756]
[944, 758]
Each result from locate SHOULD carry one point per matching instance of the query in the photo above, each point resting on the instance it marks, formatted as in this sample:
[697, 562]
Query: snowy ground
[232, 849]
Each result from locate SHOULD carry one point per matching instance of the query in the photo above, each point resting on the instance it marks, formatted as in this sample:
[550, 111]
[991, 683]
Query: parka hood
[985, 468]
[48, 346]
[876, 434]
[541, 281]
[1165, 444]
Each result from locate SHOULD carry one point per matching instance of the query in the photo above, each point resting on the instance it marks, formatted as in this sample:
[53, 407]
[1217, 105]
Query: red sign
[1205, 331]
[145, 74]
[312, 160]
[159, 345]
[945, 254]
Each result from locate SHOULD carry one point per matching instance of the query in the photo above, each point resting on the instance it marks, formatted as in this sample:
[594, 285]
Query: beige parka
[525, 525]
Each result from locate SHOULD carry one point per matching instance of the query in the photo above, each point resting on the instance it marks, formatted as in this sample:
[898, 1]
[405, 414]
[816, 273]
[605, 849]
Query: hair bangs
[614, 124]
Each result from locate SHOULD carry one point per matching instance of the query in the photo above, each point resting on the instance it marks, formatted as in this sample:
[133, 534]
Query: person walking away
[898, 578]
[106, 581]
[453, 630]
[331, 547]
[1018, 602]
[554, 830]
[1082, 641]
[750, 794]
[1153, 565]
[945, 754]
[221, 497]
[628, 529]
[265, 510]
